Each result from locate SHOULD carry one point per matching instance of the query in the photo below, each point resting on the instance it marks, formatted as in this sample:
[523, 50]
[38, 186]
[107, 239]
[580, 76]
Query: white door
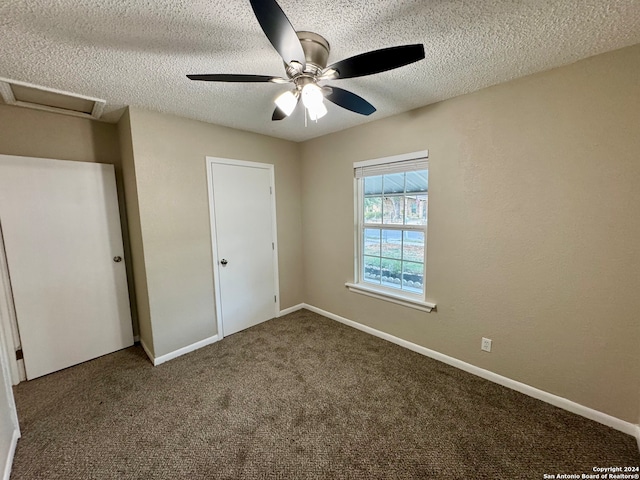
[63, 242]
[243, 226]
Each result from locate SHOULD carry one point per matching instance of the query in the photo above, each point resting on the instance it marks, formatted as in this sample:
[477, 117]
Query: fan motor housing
[316, 51]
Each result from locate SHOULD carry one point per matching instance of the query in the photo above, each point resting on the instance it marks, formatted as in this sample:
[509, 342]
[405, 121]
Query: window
[391, 235]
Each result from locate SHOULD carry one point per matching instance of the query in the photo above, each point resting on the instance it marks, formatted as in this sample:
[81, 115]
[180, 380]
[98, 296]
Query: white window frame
[400, 297]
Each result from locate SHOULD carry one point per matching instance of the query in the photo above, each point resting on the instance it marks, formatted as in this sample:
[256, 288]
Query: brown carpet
[295, 398]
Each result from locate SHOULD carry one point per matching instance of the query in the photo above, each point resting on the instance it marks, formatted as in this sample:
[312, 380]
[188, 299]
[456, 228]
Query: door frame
[210, 161]
[11, 337]
[6, 367]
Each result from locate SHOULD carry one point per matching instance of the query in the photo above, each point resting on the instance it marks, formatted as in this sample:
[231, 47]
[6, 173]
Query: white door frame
[214, 244]
[6, 359]
[9, 321]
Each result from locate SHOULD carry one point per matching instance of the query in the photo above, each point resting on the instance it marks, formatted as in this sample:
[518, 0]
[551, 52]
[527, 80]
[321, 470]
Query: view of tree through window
[393, 235]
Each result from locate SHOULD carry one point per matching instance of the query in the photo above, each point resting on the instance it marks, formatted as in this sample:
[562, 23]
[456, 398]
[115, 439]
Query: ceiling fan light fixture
[287, 102]
[312, 96]
[317, 112]
[313, 100]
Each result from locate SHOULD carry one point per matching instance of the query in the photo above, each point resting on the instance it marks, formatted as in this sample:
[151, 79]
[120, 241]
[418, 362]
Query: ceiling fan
[305, 56]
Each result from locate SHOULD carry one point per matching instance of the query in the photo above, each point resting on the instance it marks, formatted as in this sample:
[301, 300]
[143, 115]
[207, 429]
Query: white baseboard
[638, 436]
[289, 310]
[178, 353]
[600, 417]
[10, 454]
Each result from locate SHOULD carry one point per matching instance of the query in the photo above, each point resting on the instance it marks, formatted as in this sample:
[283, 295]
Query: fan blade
[350, 101]
[236, 78]
[378, 61]
[278, 29]
[278, 115]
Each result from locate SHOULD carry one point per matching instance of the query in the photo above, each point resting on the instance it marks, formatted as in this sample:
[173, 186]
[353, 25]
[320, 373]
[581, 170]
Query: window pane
[416, 210]
[417, 181]
[393, 210]
[413, 277]
[373, 210]
[371, 269]
[394, 183]
[391, 273]
[373, 185]
[393, 229]
[413, 246]
[372, 241]
[392, 244]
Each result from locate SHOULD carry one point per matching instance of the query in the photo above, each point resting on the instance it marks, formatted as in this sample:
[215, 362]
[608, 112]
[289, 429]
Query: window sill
[390, 297]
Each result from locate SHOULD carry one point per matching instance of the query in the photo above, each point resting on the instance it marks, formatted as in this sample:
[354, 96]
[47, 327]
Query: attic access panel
[22, 94]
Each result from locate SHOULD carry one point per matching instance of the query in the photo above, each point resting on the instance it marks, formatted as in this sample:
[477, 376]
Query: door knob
[224, 261]
[117, 259]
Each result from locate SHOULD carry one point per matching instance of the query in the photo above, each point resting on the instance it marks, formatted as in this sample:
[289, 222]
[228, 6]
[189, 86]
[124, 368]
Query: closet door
[63, 242]
[244, 243]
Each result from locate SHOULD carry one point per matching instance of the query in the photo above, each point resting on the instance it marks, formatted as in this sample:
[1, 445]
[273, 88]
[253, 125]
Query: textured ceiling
[137, 52]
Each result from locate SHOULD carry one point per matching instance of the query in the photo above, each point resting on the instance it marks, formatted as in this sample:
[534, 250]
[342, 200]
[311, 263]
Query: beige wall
[35, 133]
[135, 254]
[533, 228]
[171, 182]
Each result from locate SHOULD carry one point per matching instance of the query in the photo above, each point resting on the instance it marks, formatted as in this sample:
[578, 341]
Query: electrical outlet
[486, 344]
